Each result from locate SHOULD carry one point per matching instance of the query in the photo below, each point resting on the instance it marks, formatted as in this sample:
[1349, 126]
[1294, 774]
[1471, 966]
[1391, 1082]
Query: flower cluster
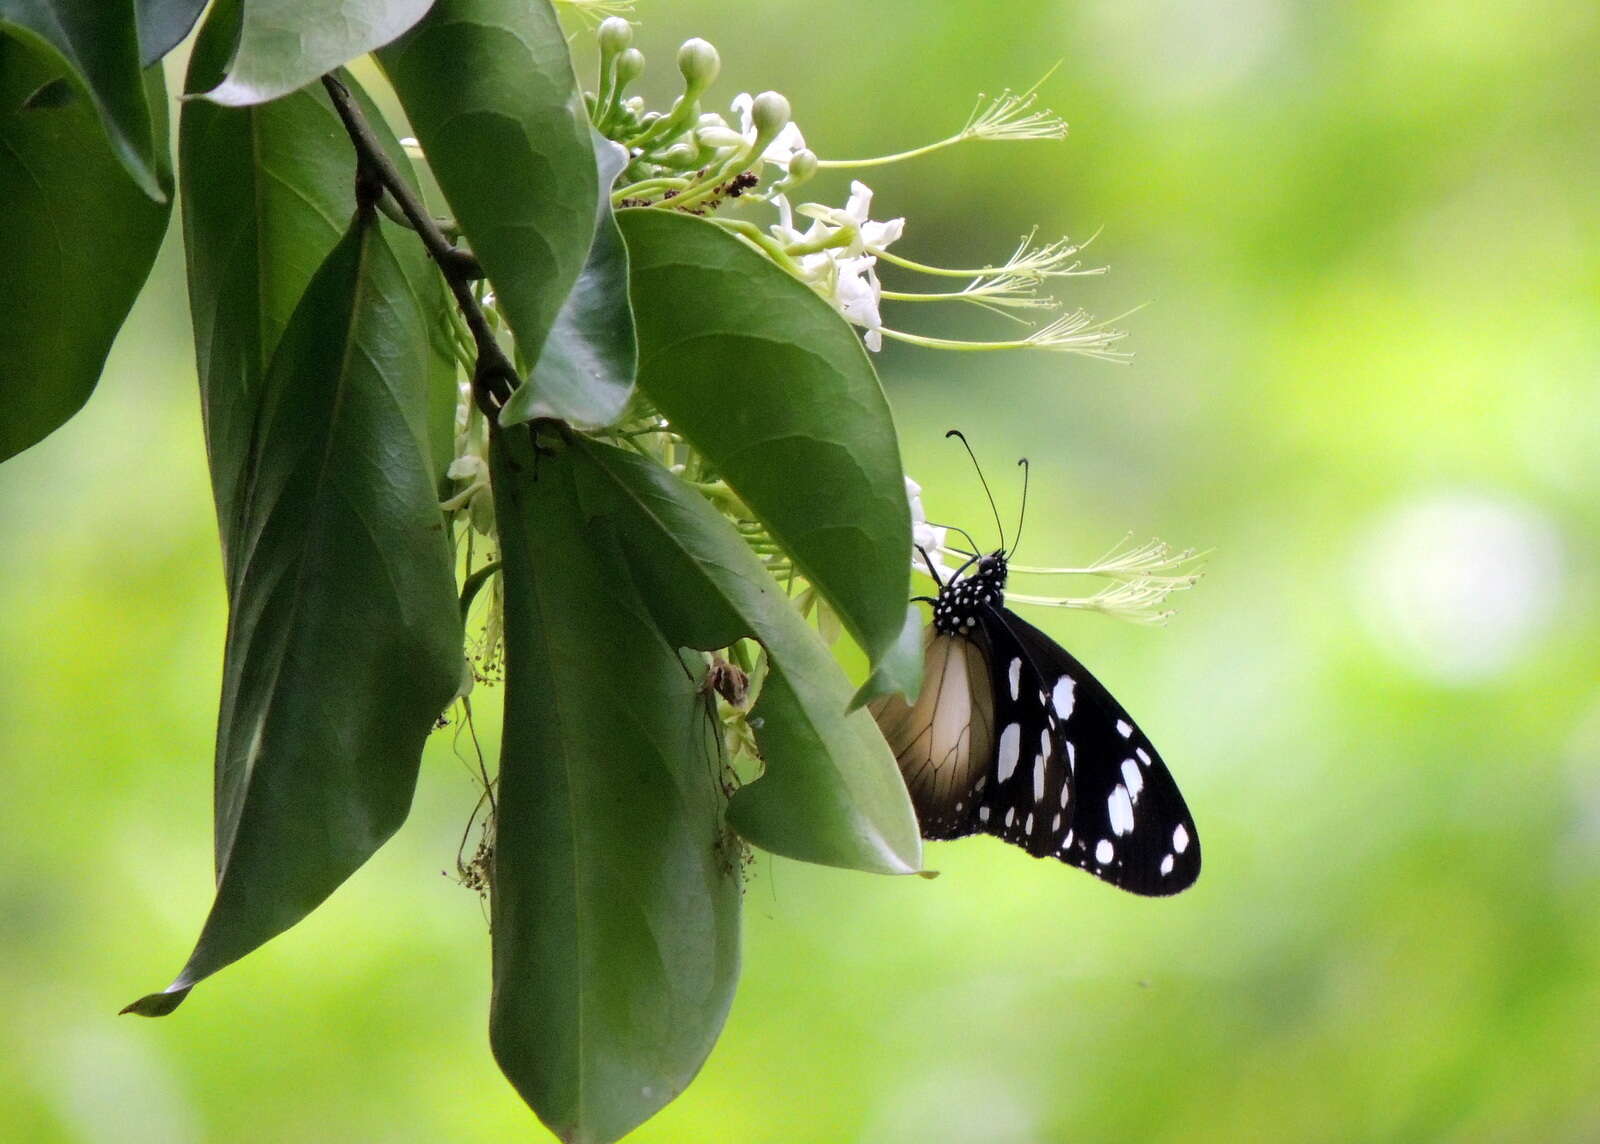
[689, 159]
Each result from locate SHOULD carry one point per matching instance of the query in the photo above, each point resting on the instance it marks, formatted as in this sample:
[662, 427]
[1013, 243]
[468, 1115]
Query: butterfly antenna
[962, 437]
[1022, 513]
[956, 528]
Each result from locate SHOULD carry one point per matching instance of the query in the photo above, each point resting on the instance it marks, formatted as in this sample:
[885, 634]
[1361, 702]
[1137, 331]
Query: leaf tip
[157, 1004]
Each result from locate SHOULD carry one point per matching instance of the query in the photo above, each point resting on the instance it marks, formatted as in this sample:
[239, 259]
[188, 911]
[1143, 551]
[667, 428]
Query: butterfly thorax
[957, 608]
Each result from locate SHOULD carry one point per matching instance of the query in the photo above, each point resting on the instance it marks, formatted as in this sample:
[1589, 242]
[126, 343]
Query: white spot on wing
[1143, 756]
[1055, 824]
[1014, 673]
[1066, 793]
[1120, 807]
[1124, 728]
[983, 814]
[1038, 779]
[1132, 779]
[1180, 838]
[1010, 747]
[1011, 814]
[1062, 697]
[1027, 827]
[1103, 851]
[1166, 864]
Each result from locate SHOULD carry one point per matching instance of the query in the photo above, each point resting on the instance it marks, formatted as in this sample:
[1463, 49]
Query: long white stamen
[1009, 117]
[1141, 561]
[1074, 333]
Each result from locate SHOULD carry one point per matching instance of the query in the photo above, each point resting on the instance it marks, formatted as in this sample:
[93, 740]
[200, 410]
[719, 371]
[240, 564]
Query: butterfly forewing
[1027, 793]
[1125, 821]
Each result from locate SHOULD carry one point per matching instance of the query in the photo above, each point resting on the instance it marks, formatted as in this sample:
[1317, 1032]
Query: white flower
[856, 295]
[870, 237]
[925, 537]
[843, 271]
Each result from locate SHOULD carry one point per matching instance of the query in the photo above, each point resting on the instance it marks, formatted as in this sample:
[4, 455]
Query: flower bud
[802, 166]
[615, 34]
[630, 66]
[680, 156]
[699, 63]
[769, 113]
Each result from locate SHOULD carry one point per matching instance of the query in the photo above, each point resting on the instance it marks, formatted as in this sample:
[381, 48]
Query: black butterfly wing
[1073, 776]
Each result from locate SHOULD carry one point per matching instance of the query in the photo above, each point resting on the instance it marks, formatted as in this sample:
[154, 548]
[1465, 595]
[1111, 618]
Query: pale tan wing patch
[945, 739]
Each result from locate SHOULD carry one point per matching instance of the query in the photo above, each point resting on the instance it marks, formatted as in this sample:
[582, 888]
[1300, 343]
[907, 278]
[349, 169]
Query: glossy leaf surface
[80, 239]
[344, 638]
[267, 192]
[286, 44]
[615, 891]
[775, 390]
[163, 24]
[489, 89]
[831, 791]
[97, 45]
[589, 361]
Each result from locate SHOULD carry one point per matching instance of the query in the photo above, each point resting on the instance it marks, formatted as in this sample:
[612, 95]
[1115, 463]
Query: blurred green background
[1365, 237]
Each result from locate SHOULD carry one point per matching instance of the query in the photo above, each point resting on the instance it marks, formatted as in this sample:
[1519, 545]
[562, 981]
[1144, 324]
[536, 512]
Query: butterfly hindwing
[944, 742]
[1128, 825]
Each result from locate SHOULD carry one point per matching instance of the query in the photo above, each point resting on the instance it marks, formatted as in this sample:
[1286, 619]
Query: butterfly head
[965, 595]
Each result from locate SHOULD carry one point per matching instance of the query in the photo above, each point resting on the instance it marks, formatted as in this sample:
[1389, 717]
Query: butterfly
[1012, 736]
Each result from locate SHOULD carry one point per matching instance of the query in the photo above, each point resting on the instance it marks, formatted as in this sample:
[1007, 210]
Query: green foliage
[163, 24]
[98, 46]
[285, 44]
[344, 639]
[670, 443]
[760, 374]
[267, 192]
[588, 364]
[488, 85]
[830, 792]
[81, 236]
[615, 887]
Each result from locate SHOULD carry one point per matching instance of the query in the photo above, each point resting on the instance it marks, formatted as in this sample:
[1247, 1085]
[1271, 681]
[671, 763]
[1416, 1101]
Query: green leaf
[489, 89]
[585, 374]
[267, 192]
[80, 237]
[286, 44]
[831, 791]
[775, 390]
[615, 890]
[98, 45]
[344, 639]
[163, 24]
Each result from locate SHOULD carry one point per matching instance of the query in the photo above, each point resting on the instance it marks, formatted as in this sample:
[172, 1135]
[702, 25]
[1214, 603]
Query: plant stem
[494, 377]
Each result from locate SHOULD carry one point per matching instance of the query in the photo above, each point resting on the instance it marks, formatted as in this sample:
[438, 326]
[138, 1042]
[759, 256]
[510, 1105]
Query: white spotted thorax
[955, 612]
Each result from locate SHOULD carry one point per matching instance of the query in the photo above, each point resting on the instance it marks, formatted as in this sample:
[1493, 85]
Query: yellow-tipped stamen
[1071, 333]
[1139, 562]
[1000, 290]
[1053, 260]
[1137, 600]
[1009, 117]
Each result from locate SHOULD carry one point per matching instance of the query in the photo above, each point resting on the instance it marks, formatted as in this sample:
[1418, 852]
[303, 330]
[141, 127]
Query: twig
[494, 376]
